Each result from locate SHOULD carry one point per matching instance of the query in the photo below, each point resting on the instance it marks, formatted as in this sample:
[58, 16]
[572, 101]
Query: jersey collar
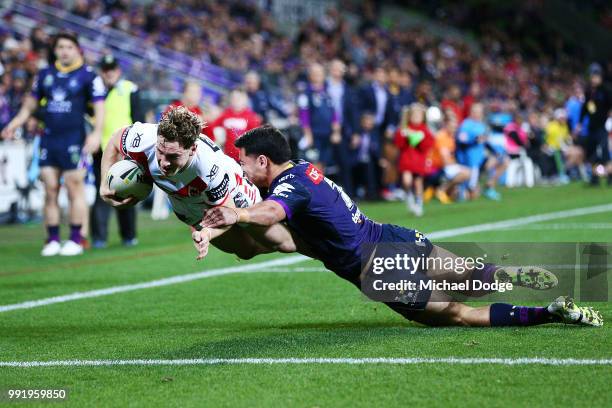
[64, 70]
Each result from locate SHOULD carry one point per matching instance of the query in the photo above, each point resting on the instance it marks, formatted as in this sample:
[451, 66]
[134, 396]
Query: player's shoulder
[212, 163]
[139, 137]
[301, 173]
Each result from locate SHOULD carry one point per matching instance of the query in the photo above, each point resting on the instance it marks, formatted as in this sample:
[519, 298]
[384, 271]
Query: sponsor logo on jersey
[288, 176]
[58, 102]
[213, 172]
[48, 81]
[314, 174]
[282, 190]
[136, 141]
[217, 193]
[241, 201]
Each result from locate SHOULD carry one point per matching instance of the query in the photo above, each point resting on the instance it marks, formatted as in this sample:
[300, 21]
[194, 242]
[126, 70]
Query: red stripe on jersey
[141, 158]
[193, 189]
[124, 133]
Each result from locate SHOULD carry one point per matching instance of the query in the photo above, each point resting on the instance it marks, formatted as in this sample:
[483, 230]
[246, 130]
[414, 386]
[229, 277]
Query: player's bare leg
[276, 237]
[74, 180]
[50, 179]
[239, 242]
[440, 311]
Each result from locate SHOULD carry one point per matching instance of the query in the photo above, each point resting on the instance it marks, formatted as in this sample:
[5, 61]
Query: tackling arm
[265, 213]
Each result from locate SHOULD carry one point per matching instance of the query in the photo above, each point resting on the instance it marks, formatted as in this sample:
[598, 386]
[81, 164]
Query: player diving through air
[196, 175]
[337, 233]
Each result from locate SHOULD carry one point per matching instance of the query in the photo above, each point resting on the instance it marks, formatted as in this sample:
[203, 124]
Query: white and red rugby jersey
[210, 179]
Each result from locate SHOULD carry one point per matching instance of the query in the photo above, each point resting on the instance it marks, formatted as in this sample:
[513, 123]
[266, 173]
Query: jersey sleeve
[136, 139]
[96, 91]
[218, 188]
[292, 195]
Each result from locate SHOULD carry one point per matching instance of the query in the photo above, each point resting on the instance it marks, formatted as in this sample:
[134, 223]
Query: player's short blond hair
[180, 125]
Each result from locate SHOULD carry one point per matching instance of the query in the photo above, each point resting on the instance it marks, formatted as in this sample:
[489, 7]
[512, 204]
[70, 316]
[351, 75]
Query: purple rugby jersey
[324, 216]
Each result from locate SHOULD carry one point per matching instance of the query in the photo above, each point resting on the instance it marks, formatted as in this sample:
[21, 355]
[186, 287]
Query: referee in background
[122, 104]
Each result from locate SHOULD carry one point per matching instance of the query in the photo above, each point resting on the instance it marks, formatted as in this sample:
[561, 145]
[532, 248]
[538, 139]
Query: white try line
[341, 361]
[290, 260]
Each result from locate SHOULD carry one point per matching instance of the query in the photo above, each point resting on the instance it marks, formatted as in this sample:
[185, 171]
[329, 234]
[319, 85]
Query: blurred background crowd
[411, 101]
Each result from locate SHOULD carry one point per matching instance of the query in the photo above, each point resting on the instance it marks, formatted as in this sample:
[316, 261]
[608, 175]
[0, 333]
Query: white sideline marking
[156, 283]
[289, 260]
[269, 361]
[519, 221]
[567, 226]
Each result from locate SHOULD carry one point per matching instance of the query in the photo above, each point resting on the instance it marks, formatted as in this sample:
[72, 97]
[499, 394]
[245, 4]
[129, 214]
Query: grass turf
[284, 314]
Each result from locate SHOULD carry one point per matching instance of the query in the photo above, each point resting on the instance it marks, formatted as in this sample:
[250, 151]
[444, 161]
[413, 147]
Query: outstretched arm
[265, 213]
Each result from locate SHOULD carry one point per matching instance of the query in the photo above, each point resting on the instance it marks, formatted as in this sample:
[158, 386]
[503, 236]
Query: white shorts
[451, 171]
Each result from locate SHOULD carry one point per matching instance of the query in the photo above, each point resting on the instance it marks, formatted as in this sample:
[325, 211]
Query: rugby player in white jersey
[196, 175]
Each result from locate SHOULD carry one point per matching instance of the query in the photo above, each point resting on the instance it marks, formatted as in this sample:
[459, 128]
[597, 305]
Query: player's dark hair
[266, 140]
[65, 35]
[180, 125]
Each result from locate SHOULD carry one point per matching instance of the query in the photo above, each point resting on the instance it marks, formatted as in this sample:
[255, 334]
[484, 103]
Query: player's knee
[286, 247]
[51, 193]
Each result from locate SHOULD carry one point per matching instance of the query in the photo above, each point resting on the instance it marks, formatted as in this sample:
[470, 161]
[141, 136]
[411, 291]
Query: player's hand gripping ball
[127, 178]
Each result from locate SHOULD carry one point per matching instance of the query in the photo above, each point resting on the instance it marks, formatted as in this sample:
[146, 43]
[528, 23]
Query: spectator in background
[414, 140]
[318, 119]
[597, 106]
[445, 172]
[374, 96]
[236, 119]
[69, 86]
[452, 100]
[471, 137]
[399, 96]
[343, 100]
[366, 151]
[558, 138]
[122, 108]
[473, 96]
[260, 99]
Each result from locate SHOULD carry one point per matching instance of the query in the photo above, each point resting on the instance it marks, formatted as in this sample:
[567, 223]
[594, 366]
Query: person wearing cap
[597, 106]
[122, 107]
[67, 87]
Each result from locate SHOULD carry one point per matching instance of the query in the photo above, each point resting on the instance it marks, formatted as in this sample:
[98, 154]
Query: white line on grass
[156, 283]
[520, 221]
[269, 361]
[564, 226]
[289, 260]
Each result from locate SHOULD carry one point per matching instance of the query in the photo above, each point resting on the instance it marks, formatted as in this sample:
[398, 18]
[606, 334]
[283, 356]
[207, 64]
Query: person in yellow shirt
[122, 106]
[558, 137]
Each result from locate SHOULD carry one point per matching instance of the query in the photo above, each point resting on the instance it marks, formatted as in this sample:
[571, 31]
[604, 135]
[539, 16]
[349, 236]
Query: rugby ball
[127, 178]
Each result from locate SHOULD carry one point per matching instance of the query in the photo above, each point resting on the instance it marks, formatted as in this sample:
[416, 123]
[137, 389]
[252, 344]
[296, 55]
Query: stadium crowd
[388, 112]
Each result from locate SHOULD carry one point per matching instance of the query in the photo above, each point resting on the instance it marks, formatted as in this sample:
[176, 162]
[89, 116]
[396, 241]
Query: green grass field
[298, 310]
